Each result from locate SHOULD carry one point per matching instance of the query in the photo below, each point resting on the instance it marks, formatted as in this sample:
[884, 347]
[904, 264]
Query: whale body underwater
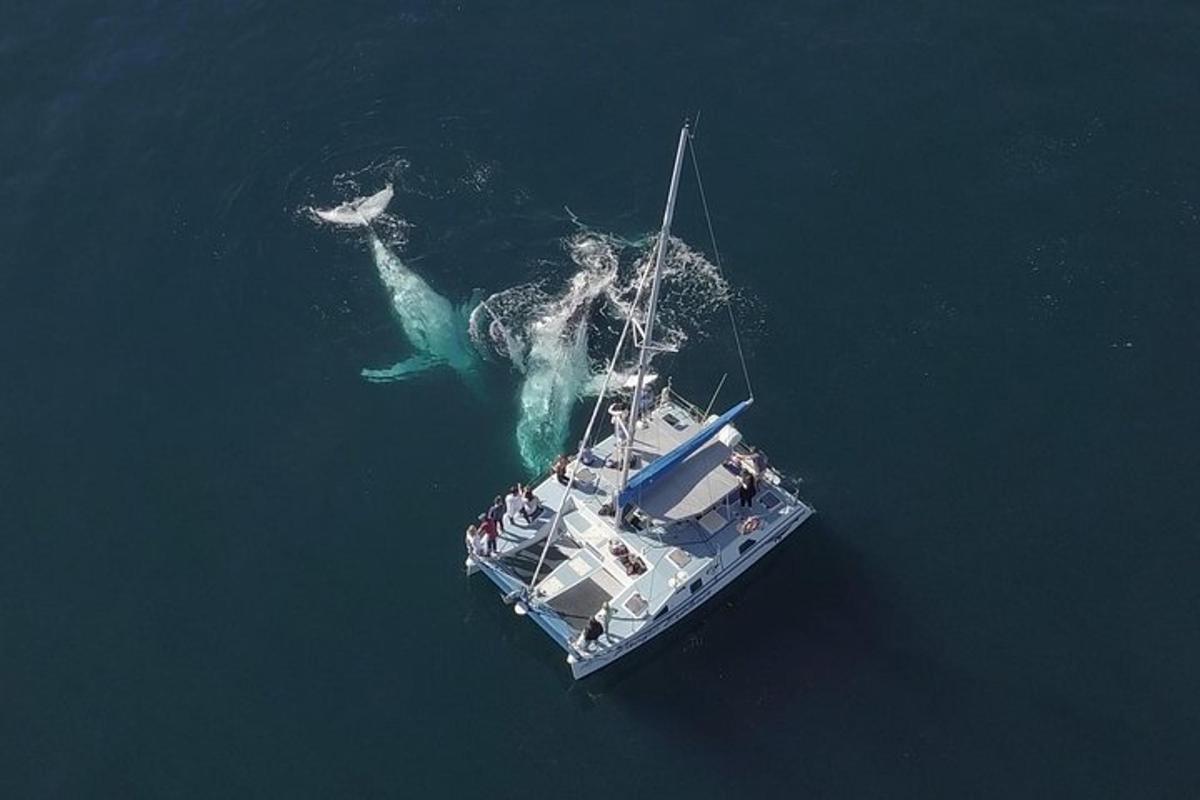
[544, 336]
[546, 339]
[436, 329]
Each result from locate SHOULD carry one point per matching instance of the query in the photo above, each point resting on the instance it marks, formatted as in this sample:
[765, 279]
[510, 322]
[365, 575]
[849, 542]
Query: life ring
[750, 525]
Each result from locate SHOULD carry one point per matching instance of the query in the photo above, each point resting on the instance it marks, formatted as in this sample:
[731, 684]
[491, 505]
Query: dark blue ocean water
[968, 236]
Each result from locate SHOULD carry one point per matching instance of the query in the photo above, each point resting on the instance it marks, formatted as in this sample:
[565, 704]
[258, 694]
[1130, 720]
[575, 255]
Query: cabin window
[769, 500]
[696, 584]
[746, 545]
[661, 612]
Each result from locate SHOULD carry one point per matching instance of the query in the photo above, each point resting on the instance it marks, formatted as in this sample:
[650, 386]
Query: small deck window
[769, 500]
[696, 584]
[746, 545]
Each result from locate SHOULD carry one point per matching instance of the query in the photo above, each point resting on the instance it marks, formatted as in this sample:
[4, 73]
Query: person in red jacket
[490, 531]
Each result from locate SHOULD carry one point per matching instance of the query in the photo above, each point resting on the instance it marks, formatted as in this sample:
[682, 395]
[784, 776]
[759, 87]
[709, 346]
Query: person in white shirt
[512, 503]
[475, 541]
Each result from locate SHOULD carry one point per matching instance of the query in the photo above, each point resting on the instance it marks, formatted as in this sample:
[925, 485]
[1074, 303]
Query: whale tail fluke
[402, 370]
[358, 212]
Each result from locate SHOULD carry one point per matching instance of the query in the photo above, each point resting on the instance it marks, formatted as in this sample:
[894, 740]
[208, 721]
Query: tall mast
[648, 334]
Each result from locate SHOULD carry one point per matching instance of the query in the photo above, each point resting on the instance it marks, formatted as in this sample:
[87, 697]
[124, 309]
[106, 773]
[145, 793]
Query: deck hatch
[679, 558]
[636, 604]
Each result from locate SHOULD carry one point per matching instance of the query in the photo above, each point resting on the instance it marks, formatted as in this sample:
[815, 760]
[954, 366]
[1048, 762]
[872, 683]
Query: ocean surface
[963, 242]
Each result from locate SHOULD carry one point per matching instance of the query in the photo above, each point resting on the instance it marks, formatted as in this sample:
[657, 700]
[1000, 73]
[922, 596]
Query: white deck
[688, 540]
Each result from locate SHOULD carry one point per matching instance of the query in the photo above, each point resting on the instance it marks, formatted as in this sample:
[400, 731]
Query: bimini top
[662, 466]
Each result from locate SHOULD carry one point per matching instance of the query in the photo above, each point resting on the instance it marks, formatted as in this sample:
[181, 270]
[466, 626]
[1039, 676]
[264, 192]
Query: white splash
[546, 336]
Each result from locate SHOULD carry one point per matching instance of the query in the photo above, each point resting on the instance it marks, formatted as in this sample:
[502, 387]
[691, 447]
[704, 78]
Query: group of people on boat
[520, 502]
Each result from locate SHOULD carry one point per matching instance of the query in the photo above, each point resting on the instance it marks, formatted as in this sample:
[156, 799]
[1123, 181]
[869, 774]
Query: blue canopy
[649, 475]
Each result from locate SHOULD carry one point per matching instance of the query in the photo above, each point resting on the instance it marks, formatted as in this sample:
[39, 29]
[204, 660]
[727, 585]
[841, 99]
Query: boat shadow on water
[803, 620]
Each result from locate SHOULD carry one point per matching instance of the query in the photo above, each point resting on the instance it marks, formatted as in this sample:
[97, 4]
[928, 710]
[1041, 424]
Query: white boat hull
[582, 667]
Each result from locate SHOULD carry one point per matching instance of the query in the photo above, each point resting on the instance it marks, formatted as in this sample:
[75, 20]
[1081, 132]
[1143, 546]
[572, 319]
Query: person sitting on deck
[512, 503]
[588, 458]
[560, 469]
[531, 507]
[596, 627]
[496, 512]
[590, 633]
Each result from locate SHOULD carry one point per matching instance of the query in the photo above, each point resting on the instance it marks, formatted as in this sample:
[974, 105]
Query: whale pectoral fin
[402, 370]
[468, 308]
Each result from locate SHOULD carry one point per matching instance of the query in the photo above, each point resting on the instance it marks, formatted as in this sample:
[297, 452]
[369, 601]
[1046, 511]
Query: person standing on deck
[617, 411]
[747, 488]
[512, 504]
[496, 512]
[487, 527]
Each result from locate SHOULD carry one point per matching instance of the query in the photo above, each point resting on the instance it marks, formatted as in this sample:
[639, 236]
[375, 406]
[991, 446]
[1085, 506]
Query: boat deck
[683, 532]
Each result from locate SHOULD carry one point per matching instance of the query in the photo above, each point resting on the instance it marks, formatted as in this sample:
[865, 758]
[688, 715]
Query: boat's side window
[746, 545]
[661, 612]
[696, 584]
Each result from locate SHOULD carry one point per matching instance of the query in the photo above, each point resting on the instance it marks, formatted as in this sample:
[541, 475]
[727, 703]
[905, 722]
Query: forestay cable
[737, 339]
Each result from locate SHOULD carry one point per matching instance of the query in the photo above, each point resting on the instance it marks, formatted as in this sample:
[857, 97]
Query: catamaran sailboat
[649, 522]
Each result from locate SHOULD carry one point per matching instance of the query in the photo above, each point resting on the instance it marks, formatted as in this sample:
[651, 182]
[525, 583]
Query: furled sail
[652, 473]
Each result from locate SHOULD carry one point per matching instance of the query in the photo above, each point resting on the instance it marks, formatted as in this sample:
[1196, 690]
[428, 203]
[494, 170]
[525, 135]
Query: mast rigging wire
[737, 339]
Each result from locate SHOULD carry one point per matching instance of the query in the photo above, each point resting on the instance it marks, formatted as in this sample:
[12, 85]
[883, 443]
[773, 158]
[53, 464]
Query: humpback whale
[435, 328]
[546, 338]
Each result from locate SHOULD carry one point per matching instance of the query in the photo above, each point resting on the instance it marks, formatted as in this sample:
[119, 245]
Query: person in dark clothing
[496, 512]
[746, 490]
